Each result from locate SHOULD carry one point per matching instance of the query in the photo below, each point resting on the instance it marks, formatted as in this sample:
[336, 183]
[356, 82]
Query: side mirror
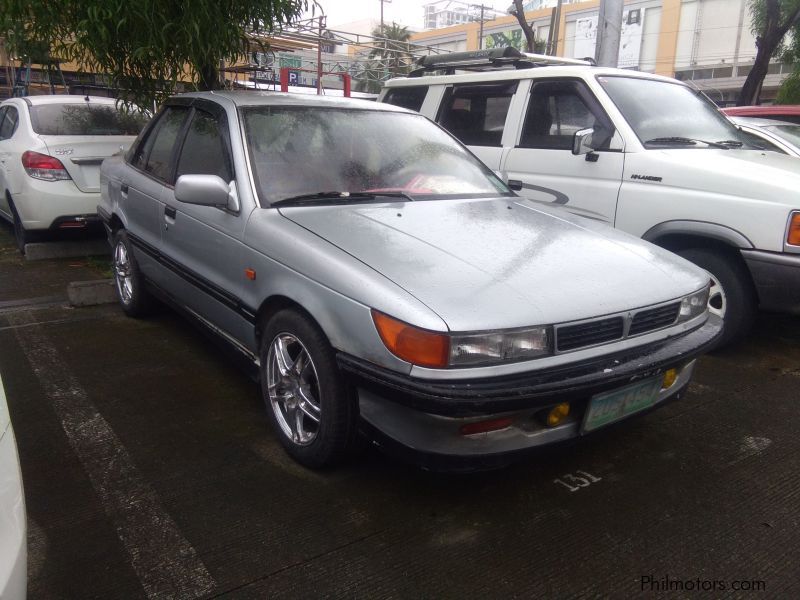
[205, 190]
[582, 142]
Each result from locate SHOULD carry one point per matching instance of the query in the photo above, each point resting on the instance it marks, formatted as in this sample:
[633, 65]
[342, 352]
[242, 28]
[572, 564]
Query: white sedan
[51, 148]
[778, 136]
[13, 546]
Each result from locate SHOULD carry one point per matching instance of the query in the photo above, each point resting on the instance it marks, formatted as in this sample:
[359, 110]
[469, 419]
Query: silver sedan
[384, 281]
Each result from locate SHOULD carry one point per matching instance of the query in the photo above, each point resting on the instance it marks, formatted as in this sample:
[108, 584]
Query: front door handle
[123, 189]
[169, 211]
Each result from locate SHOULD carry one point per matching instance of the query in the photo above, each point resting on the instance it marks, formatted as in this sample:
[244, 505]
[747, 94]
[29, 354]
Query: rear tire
[21, 235]
[133, 296]
[313, 411]
[732, 297]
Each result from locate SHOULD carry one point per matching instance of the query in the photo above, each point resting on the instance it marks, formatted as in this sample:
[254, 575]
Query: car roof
[755, 111]
[529, 73]
[67, 99]
[270, 98]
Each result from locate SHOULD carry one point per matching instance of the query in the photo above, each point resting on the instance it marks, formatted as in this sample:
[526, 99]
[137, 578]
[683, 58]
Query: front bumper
[426, 416]
[777, 279]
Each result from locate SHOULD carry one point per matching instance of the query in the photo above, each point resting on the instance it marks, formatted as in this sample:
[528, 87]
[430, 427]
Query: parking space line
[165, 562]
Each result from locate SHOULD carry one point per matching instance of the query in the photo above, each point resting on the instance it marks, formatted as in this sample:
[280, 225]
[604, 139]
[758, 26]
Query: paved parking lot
[150, 471]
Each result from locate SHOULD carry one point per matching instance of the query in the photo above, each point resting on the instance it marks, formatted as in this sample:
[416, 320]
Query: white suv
[644, 153]
[51, 148]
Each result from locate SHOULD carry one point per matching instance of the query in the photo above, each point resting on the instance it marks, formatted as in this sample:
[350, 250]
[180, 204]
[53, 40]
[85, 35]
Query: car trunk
[81, 155]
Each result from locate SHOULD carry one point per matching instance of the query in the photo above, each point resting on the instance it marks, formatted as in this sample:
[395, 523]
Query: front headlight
[441, 350]
[496, 347]
[694, 305]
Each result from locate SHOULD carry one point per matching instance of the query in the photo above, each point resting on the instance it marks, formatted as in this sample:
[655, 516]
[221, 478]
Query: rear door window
[8, 122]
[407, 97]
[205, 150]
[84, 119]
[156, 153]
[476, 114]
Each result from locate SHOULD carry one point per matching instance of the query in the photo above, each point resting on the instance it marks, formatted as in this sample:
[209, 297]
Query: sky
[404, 12]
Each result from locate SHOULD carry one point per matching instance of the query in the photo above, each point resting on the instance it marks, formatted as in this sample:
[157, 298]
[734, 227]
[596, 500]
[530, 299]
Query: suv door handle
[169, 211]
[514, 184]
[123, 189]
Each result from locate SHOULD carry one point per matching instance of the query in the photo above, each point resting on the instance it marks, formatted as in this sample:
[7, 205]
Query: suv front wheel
[732, 295]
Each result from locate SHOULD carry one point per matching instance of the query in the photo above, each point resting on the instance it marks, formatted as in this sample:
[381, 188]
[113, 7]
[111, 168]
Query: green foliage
[145, 46]
[389, 57]
[515, 39]
[789, 92]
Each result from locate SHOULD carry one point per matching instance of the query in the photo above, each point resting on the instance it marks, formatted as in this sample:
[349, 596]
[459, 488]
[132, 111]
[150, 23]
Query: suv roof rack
[487, 60]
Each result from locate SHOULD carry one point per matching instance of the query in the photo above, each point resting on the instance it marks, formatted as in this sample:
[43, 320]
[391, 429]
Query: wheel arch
[703, 233]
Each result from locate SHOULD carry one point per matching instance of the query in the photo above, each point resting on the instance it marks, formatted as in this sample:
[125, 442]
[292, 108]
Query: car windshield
[85, 119]
[319, 154]
[790, 133]
[664, 114]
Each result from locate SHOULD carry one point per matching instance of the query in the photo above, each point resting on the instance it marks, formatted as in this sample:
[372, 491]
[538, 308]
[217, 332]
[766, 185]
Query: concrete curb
[47, 250]
[91, 293]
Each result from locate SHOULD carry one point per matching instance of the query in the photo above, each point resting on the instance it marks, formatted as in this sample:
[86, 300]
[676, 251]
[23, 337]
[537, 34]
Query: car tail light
[44, 167]
[417, 346]
[793, 237]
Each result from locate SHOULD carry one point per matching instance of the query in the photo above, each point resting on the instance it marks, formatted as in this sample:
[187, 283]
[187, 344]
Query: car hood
[753, 174]
[502, 263]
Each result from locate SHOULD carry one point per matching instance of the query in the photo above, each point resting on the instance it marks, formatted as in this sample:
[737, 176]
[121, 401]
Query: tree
[772, 19]
[392, 48]
[532, 43]
[146, 46]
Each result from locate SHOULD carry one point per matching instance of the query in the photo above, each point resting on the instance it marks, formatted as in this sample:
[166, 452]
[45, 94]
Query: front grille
[654, 318]
[589, 334]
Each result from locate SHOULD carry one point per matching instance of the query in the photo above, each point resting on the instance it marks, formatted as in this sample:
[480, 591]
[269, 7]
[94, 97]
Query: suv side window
[476, 114]
[155, 153]
[556, 110]
[205, 151]
[8, 123]
[407, 97]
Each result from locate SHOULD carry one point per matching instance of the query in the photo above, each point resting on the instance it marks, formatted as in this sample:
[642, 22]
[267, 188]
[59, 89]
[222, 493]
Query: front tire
[732, 296]
[128, 280]
[313, 411]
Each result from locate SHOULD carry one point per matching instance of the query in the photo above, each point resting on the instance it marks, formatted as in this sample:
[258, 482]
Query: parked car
[374, 270]
[13, 543]
[646, 154]
[777, 112]
[51, 148]
[778, 136]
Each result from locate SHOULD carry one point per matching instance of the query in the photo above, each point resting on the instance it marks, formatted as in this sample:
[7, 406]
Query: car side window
[155, 154]
[476, 114]
[407, 97]
[558, 109]
[205, 151]
[8, 122]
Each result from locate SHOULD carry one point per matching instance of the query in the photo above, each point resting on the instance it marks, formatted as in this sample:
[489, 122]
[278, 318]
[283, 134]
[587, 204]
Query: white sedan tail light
[42, 166]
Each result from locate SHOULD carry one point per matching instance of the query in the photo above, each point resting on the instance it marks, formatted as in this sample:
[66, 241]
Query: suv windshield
[671, 114]
[84, 119]
[324, 154]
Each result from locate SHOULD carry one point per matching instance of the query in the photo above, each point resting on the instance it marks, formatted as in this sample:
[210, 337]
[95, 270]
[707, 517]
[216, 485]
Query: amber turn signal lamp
[557, 414]
[670, 375]
[794, 230]
[417, 346]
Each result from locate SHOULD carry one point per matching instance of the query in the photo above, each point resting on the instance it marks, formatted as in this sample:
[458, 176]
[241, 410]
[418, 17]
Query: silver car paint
[338, 280]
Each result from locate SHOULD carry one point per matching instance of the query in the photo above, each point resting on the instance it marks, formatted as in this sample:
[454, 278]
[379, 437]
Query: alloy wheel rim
[293, 389]
[122, 273]
[717, 299]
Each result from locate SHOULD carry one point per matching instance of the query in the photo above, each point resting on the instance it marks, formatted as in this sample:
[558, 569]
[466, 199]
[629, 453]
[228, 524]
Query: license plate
[609, 407]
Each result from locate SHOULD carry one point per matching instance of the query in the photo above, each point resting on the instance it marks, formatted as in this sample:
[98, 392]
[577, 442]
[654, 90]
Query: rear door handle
[514, 184]
[123, 189]
[169, 211]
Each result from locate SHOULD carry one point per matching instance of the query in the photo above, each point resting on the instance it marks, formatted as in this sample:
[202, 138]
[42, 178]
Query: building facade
[707, 42]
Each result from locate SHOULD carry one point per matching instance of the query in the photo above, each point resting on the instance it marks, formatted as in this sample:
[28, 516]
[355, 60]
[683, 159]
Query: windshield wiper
[683, 141]
[335, 197]
[731, 143]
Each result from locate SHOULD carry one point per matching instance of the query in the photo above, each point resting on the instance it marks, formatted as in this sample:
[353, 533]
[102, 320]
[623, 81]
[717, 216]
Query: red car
[781, 112]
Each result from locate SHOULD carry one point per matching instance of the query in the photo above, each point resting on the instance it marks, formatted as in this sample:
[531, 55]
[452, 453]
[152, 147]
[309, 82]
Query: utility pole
[319, 55]
[609, 25]
[382, 3]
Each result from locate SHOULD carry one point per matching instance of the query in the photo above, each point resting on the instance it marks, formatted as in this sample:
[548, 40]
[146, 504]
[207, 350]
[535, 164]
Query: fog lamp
[557, 414]
[670, 376]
